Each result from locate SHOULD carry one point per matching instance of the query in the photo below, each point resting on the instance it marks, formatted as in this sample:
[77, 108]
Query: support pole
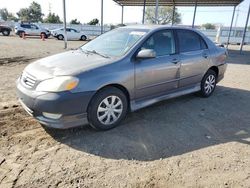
[230, 30]
[64, 25]
[122, 15]
[143, 12]
[244, 34]
[173, 13]
[156, 11]
[195, 7]
[101, 16]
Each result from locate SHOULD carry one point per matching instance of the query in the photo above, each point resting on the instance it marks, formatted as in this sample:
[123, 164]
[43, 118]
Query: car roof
[153, 28]
[156, 27]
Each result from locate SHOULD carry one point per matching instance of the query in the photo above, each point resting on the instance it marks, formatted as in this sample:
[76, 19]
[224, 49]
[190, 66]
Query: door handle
[175, 61]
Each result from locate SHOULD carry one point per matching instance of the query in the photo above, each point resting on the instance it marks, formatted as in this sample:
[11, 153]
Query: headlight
[57, 84]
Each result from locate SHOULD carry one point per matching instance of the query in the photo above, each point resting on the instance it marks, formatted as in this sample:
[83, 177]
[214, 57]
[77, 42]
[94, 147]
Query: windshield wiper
[95, 52]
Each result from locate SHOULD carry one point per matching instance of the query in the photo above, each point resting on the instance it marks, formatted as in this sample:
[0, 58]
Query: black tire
[60, 37]
[6, 32]
[45, 36]
[20, 33]
[98, 100]
[206, 84]
[83, 37]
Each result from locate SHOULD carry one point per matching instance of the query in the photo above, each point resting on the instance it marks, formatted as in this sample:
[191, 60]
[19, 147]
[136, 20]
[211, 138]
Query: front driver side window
[162, 42]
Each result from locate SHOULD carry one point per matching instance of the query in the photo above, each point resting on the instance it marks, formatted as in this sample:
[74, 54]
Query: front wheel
[6, 32]
[208, 83]
[107, 108]
[60, 37]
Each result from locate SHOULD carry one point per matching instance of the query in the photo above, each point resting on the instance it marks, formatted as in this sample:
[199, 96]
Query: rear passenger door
[194, 57]
[75, 35]
[34, 30]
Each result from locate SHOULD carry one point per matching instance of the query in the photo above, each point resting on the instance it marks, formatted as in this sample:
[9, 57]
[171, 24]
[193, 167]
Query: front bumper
[72, 106]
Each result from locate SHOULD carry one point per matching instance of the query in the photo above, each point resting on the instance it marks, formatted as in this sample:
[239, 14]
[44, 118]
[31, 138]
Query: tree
[74, 21]
[23, 14]
[94, 22]
[12, 17]
[165, 15]
[208, 26]
[5, 15]
[33, 13]
[52, 18]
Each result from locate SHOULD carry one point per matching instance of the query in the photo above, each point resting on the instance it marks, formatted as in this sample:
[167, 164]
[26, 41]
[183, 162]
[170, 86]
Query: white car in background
[72, 34]
[31, 29]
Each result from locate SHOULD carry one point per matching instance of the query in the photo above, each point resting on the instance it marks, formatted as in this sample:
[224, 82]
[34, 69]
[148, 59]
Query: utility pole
[245, 30]
[195, 7]
[101, 16]
[122, 15]
[156, 11]
[50, 7]
[237, 15]
[64, 25]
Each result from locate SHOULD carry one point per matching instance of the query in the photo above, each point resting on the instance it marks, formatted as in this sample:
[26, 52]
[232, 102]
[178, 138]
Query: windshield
[115, 43]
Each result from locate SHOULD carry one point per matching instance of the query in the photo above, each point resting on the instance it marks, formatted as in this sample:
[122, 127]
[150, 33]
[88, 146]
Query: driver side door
[159, 75]
[69, 34]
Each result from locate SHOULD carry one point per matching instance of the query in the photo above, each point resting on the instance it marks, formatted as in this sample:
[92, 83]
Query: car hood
[67, 63]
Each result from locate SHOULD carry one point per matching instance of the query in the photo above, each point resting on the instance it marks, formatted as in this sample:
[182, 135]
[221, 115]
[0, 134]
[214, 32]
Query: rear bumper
[71, 106]
[222, 69]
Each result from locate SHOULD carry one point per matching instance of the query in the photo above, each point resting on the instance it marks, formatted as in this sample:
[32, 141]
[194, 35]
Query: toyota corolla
[123, 70]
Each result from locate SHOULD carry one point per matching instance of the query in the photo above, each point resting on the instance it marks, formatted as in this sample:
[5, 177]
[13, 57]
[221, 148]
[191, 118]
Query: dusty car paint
[145, 81]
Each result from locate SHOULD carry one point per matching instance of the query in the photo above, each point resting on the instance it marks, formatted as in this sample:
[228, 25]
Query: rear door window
[33, 27]
[190, 41]
[162, 42]
[26, 26]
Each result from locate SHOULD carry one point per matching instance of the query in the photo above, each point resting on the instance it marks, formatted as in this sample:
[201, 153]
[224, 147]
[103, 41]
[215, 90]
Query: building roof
[179, 2]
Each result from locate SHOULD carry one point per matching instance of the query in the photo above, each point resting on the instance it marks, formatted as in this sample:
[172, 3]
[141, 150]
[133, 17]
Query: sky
[86, 10]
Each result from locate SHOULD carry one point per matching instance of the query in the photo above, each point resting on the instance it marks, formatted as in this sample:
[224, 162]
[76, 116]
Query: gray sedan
[123, 70]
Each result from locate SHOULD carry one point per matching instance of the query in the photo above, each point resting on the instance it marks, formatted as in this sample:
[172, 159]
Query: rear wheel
[107, 108]
[83, 37]
[45, 36]
[6, 32]
[60, 37]
[208, 83]
[21, 33]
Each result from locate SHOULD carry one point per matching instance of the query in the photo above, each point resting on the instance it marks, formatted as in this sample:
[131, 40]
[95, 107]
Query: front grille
[28, 80]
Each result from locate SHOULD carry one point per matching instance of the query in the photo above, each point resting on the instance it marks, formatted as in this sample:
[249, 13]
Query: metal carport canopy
[186, 3]
[179, 2]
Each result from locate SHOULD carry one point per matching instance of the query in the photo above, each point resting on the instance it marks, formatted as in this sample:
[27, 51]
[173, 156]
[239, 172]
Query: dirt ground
[184, 142]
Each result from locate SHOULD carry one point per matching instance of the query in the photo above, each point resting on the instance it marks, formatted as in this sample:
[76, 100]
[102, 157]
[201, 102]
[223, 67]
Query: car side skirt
[136, 105]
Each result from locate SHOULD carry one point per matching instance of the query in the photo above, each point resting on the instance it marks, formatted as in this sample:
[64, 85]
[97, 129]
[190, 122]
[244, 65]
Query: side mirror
[146, 54]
